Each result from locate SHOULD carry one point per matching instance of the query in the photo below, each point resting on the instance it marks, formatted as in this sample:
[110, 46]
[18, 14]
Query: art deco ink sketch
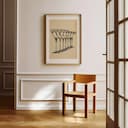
[63, 39]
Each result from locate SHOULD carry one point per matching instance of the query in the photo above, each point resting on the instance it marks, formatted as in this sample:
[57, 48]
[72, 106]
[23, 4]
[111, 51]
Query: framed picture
[63, 38]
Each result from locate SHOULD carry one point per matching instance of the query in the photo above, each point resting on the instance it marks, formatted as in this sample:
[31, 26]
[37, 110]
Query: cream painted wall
[31, 35]
[31, 70]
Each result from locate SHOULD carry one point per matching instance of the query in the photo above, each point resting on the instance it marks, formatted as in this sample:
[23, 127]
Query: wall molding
[7, 67]
[56, 73]
[4, 81]
[6, 94]
[4, 60]
[25, 103]
[57, 105]
[36, 80]
[100, 77]
[3, 56]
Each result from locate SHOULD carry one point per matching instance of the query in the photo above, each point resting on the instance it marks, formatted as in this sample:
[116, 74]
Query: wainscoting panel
[8, 80]
[40, 90]
[7, 46]
[44, 92]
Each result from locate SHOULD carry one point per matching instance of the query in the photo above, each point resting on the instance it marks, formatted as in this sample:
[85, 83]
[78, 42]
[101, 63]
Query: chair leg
[63, 99]
[63, 105]
[74, 99]
[94, 98]
[74, 104]
[86, 102]
[94, 104]
[86, 109]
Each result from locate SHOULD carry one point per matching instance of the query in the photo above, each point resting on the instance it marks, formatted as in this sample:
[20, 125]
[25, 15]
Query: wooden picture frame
[63, 38]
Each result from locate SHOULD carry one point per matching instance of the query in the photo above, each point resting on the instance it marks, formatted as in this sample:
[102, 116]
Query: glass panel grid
[121, 79]
[121, 112]
[121, 41]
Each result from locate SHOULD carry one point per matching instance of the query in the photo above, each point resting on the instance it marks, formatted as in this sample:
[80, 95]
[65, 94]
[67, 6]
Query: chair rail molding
[35, 91]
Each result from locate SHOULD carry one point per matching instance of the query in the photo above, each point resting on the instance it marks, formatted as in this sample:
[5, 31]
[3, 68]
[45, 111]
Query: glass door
[117, 63]
[111, 64]
[123, 63]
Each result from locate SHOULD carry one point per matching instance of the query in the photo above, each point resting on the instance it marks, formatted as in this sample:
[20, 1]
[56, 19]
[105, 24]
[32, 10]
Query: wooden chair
[88, 80]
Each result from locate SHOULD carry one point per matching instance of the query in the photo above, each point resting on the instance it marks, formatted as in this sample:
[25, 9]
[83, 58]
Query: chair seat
[78, 93]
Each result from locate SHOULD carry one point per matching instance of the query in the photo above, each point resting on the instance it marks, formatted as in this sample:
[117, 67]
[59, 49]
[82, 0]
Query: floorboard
[50, 119]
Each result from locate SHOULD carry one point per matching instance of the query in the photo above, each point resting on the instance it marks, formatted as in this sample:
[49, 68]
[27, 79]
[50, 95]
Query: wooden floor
[50, 119]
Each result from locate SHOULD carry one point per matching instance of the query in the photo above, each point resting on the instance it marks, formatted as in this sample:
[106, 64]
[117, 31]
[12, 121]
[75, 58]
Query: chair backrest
[84, 78]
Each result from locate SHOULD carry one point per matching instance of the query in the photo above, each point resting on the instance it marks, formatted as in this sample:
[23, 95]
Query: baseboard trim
[58, 106]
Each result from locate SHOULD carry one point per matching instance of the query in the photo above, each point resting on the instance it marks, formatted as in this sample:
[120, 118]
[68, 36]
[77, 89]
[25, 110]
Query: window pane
[126, 8]
[108, 103]
[121, 41]
[111, 105]
[108, 18]
[126, 81]
[121, 9]
[108, 50]
[121, 78]
[111, 13]
[126, 114]
[108, 76]
[111, 76]
[111, 47]
[126, 39]
[121, 113]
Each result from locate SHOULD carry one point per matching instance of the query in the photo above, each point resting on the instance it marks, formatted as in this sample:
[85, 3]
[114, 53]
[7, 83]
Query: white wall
[31, 70]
